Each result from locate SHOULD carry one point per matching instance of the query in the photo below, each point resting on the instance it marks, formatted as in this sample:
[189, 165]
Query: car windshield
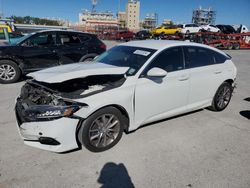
[126, 56]
[21, 39]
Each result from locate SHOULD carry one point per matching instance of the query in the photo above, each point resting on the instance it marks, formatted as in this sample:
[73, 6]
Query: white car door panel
[204, 73]
[155, 97]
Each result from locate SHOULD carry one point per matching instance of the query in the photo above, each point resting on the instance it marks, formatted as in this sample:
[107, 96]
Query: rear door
[40, 51]
[205, 75]
[70, 48]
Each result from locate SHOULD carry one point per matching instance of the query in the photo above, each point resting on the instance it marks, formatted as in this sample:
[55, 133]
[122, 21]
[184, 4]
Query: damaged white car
[128, 86]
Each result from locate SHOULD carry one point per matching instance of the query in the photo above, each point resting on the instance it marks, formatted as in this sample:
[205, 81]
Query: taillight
[103, 46]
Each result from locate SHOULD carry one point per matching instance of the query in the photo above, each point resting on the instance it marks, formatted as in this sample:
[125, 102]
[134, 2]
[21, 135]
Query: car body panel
[143, 99]
[158, 94]
[31, 131]
[166, 31]
[76, 70]
[210, 28]
[33, 58]
[190, 28]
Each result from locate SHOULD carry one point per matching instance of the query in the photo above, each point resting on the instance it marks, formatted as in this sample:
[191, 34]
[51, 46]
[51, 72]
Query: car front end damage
[45, 111]
[45, 120]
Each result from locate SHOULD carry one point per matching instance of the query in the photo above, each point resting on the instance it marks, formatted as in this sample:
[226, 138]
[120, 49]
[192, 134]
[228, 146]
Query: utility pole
[119, 6]
[94, 3]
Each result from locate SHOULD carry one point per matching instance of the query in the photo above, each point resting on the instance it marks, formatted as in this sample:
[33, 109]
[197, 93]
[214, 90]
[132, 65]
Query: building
[97, 21]
[150, 21]
[133, 15]
[167, 22]
[122, 19]
[203, 16]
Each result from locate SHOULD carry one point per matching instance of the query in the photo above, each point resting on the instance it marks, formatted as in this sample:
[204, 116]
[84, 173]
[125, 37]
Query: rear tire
[236, 46]
[222, 97]
[9, 72]
[102, 130]
[230, 46]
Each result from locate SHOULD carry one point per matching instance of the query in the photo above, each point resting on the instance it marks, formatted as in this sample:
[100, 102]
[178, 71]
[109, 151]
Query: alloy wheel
[223, 97]
[7, 72]
[104, 130]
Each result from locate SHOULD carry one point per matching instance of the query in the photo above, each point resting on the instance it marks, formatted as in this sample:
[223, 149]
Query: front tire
[9, 72]
[222, 97]
[102, 130]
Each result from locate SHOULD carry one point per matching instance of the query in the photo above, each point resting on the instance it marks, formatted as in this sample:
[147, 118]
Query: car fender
[122, 97]
[92, 55]
[16, 60]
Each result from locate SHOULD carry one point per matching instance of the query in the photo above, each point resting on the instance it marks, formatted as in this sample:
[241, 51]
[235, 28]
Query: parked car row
[45, 49]
[194, 28]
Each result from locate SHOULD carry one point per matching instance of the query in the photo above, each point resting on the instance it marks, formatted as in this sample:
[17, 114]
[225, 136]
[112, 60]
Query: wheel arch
[123, 111]
[92, 55]
[14, 61]
[230, 81]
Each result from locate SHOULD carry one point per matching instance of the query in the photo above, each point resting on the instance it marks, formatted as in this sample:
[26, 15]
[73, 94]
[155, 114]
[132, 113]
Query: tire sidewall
[17, 69]
[215, 105]
[83, 136]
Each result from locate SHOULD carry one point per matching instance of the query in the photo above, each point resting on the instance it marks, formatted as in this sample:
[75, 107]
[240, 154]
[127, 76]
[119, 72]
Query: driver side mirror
[157, 72]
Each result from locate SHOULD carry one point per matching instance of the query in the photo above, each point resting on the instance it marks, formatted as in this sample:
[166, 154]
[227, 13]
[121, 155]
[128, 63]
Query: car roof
[160, 44]
[163, 44]
[62, 30]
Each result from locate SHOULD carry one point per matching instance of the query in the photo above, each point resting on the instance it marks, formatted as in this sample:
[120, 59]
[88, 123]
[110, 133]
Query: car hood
[77, 70]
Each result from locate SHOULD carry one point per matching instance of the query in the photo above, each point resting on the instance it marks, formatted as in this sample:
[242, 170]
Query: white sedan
[189, 28]
[128, 86]
[210, 28]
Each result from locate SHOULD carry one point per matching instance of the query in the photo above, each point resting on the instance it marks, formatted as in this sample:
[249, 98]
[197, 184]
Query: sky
[228, 11]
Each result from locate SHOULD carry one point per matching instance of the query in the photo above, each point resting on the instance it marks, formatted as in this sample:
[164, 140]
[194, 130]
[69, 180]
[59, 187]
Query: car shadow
[245, 113]
[247, 99]
[115, 175]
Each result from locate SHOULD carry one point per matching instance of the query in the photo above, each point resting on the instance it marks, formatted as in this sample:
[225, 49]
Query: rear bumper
[60, 134]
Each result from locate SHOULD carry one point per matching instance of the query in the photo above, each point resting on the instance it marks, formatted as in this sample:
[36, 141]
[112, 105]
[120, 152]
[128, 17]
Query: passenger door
[158, 98]
[70, 48]
[40, 51]
[205, 75]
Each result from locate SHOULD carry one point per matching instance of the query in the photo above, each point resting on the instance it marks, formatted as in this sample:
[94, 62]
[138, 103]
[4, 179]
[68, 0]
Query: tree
[34, 20]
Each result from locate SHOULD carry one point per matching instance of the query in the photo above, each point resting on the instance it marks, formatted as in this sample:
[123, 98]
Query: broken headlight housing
[48, 112]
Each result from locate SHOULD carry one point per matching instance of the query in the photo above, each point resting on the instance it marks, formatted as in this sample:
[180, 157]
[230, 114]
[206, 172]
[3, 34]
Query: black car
[45, 49]
[143, 34]
[226, 29]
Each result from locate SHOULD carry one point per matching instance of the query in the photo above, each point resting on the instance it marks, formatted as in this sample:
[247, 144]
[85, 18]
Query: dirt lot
[201, 149]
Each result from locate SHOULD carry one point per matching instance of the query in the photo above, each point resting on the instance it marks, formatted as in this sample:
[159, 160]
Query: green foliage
[34, 20]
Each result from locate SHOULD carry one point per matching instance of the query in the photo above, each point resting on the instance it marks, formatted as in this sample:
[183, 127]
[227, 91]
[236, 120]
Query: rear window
[198, 56]
[219, 58]
[84, 38]
[69, 38]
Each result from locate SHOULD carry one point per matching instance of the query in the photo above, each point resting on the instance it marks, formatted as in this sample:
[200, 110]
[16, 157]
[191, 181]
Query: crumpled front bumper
[62, 131]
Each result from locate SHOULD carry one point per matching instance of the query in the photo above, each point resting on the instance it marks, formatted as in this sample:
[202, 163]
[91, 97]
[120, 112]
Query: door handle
[217, 72]
[53, 51]
[183, 78]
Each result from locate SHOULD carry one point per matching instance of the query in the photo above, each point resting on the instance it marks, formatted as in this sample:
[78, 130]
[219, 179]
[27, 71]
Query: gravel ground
[201, 149]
